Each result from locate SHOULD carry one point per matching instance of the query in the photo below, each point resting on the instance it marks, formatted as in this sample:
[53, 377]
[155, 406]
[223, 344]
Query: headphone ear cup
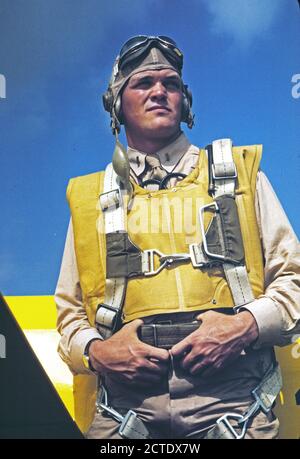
[107, 99]
[187, 101]
[118, 109]
[185, 108]
[110, 106]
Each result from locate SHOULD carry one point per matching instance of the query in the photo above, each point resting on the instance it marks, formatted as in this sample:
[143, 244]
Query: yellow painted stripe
[33, 312]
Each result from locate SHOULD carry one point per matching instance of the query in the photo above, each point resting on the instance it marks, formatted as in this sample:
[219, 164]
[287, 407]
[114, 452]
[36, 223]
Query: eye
[143, 84]
[172, 84]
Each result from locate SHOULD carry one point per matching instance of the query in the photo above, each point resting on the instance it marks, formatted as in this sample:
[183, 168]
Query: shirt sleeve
[72, 322]
[277, 311]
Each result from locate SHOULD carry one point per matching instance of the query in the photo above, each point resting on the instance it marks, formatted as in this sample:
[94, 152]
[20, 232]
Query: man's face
[152, 103]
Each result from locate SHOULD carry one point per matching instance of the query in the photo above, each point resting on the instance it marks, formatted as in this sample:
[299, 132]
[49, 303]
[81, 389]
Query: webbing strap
[133, 427]
[224, 176]
[238, 281]
[267, 391]
[223, 167]
[111, 202]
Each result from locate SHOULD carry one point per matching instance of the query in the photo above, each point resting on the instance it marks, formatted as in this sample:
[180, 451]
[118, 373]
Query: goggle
[136, 46]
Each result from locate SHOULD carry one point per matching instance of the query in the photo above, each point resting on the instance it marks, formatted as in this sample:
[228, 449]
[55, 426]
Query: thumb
[202, 317]
[134, 325]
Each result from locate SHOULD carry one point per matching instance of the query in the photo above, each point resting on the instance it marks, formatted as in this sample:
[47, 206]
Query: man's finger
[200, 367]
[190, 359]
[181, 347]
[156, 353]
[134, 325]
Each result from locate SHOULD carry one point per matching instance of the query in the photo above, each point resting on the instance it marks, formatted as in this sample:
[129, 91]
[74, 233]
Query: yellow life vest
[158, 220]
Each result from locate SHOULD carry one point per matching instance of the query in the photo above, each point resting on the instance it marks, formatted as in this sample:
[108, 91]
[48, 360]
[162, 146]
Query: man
[177, 320]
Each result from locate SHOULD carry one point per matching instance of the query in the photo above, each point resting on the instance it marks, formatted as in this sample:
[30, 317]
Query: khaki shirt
[277, 312]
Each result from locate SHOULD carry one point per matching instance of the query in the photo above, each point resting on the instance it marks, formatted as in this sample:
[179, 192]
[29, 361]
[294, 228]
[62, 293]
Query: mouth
[158, 107]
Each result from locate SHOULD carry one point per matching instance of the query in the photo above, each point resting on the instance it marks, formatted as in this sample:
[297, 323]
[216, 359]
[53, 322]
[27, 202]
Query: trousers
[185, 406]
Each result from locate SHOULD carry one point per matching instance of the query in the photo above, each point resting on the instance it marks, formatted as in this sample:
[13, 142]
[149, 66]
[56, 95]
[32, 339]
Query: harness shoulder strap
[222, 185]
[112, 204]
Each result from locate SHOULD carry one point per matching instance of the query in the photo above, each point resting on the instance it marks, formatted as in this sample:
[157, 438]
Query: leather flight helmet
[138, 54]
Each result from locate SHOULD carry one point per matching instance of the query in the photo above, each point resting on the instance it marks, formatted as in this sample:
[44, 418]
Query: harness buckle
[197, 256]
[215, 256]
[109, 199]
[107, 316]
[212, 206]
[148, 266]
[224, 171]
[225, 421]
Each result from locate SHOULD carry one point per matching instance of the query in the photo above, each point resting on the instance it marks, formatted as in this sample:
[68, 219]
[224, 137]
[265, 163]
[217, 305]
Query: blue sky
[56, 57]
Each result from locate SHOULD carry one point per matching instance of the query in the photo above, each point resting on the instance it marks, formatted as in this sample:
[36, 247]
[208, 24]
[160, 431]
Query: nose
[159, 91]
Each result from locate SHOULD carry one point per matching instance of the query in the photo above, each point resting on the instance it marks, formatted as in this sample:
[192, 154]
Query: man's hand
[125, 357]
[219, 340]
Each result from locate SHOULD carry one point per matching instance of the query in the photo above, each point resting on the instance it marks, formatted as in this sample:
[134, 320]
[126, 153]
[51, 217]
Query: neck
[151, 145]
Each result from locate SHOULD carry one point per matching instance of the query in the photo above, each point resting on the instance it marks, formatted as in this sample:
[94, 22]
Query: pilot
[180, 271]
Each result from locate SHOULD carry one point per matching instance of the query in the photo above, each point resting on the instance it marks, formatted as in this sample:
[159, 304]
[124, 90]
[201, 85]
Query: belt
[166, 335]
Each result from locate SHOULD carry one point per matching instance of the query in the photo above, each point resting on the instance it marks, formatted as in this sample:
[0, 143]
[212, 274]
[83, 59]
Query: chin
[164, 127]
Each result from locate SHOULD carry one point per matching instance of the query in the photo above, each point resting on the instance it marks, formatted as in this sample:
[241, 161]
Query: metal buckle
[215, 256]
[109, 199]
[224, 177]
[102, 405]
[225, 420]
[148, 262]
[114, 320]
[242, 419]
[154, 334]
[175, 257]
[195, 254]
[148, 267]
[205, 247]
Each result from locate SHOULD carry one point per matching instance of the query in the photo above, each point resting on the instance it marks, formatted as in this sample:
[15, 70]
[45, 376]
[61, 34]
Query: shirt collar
[169, 155]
